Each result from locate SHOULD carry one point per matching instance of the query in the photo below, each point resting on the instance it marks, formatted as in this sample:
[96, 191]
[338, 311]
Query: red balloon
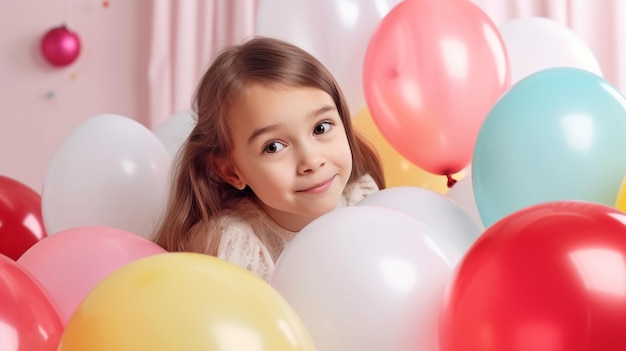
[432, 71]
[60, 46]
[549, 277]
[20, 218]
[30, 321]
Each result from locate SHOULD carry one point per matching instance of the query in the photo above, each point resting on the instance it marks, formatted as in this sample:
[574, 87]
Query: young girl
[273, 149]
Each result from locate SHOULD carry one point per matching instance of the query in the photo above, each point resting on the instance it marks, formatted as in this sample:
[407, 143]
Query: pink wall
[106, 78]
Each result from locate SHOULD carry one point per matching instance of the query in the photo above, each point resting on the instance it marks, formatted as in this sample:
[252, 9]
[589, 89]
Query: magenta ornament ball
[60, 46]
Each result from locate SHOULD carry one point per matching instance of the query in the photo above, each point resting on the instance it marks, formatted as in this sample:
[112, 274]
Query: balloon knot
[451, 181]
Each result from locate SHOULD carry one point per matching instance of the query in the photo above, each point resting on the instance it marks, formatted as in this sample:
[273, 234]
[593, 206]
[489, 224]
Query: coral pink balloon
[60, 46]
[70, 263]
[432, 71]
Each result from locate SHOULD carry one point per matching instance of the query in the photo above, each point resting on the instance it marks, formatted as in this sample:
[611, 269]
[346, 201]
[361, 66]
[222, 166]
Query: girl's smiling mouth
[319, 188]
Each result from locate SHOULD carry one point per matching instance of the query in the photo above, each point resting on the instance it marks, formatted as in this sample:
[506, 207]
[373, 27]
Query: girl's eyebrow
[322, 110]
[313, 114]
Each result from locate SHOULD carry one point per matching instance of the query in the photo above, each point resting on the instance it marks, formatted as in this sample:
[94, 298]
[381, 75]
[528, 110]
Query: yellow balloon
[398, 171]
[184, 301]
[620, 202]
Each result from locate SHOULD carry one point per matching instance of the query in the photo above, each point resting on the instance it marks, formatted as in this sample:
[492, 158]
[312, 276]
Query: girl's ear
[228, 171]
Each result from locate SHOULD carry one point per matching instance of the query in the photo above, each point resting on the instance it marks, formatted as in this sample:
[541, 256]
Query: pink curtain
[185, 36]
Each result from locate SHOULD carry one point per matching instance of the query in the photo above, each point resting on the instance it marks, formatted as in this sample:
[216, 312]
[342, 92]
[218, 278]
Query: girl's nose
[310, 159]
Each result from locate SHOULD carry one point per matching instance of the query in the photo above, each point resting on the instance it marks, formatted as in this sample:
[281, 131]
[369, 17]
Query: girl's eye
[273, 147]
[322, 128]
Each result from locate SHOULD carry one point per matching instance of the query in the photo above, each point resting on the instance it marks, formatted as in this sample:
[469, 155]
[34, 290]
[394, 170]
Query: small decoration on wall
[60, 46]
[51, 94]
[105, 4]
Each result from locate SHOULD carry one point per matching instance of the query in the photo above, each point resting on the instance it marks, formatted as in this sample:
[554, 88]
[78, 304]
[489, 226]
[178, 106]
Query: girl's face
[290, 147]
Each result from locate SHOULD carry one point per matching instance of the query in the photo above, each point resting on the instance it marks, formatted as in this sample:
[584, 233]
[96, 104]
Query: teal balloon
[558, 134]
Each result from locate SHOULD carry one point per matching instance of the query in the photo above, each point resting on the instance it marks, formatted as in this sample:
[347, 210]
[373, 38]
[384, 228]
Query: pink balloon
[70, 263]
[432, 71]
[60, 46]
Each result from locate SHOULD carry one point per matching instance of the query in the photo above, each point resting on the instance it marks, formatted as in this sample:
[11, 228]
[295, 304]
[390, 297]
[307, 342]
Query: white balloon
[110, 171]
[367, 278]
[537, 43]
[462, 193]
[175, 130]
[336, 32]
[447, 218]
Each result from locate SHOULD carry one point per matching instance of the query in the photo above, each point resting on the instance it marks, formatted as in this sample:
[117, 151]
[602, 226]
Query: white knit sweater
[252, 240]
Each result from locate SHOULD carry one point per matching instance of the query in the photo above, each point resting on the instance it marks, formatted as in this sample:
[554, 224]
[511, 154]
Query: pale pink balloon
[111, 171]
[449, 220]
[367, 278]
[432, 72]
[72, 262]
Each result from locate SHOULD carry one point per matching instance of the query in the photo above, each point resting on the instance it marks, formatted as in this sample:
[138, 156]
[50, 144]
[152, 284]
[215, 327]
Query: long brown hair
[198, 193]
